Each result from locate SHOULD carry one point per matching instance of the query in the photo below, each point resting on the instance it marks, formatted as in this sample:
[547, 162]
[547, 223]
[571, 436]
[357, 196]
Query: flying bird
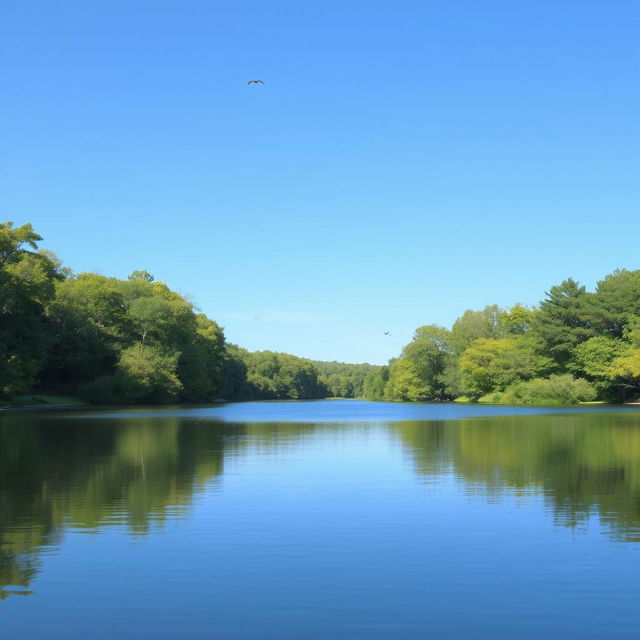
[255, 82]
[387, 333]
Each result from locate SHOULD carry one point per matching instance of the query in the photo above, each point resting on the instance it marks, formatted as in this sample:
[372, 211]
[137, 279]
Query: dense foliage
[575, 346]
[135, 340]
[279, 375]
[342, 380]
[28, 278]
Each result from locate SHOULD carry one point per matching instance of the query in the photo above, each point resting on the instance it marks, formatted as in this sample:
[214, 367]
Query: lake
[327, 519]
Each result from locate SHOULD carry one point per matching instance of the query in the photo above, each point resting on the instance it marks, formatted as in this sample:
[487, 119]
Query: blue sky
[402, 162]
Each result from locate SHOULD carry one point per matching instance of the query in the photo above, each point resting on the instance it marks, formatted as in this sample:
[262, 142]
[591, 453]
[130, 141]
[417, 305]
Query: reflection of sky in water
[512, 526]
[346, 411]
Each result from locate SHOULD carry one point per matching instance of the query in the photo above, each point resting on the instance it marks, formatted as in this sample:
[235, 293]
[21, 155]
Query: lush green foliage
[135, 340]
[343, 380]
[490, 364]
[27, 286]
[556, 389]
[280, 376]
[419, 372]
[375, 382]
[575, 346]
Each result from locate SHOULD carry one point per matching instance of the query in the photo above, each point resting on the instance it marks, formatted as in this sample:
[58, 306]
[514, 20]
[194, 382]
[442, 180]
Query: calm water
[331, 519]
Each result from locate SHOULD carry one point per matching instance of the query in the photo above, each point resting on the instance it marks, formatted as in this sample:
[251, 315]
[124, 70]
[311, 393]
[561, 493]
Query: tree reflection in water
[58, 472]
[582, 463]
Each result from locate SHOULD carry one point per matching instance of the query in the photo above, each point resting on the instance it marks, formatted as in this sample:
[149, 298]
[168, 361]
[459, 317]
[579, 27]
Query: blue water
[331, 519]
[350, 411]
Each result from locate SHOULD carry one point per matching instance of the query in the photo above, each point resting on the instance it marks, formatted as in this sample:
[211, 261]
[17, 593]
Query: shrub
[147, 374]
[556, 389]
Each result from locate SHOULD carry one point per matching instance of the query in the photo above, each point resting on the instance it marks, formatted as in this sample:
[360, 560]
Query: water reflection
[583, 464]
[137, 472]
[56, 473]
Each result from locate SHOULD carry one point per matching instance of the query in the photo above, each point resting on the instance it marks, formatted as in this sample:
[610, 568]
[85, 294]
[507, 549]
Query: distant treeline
[574, 346]
[343, 380]
[135, 341]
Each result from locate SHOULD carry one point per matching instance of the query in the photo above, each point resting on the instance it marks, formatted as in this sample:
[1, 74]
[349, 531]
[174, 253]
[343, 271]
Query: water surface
[331, 519]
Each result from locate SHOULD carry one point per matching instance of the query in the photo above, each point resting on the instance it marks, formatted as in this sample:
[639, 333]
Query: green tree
[418, 373]
[625, 368]
[492, 364]
[374, 383]
[147, 374]
[27, 285]
[96, 319]
[150, 317]
[593, 359]
[405, 384]
[234, 373]
[517, 320]
[280, 375]
[13, 241]
[472, 325]
[343, 379]
[89, 327]
[203, 361]
[615, 302]
[562, 322]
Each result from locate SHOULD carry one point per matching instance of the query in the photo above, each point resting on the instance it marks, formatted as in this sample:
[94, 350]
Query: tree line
[576, 345]
[135, 341]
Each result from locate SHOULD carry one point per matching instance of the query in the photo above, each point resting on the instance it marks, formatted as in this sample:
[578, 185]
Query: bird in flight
[387, 333]
[255, 82]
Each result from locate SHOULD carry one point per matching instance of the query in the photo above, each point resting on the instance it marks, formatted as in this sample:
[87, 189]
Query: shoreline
[65, 406]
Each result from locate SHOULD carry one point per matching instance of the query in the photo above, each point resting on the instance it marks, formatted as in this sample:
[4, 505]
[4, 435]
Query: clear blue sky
[403, 161]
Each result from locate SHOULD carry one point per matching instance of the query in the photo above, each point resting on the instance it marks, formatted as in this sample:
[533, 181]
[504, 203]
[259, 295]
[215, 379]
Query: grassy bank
[43, 400]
